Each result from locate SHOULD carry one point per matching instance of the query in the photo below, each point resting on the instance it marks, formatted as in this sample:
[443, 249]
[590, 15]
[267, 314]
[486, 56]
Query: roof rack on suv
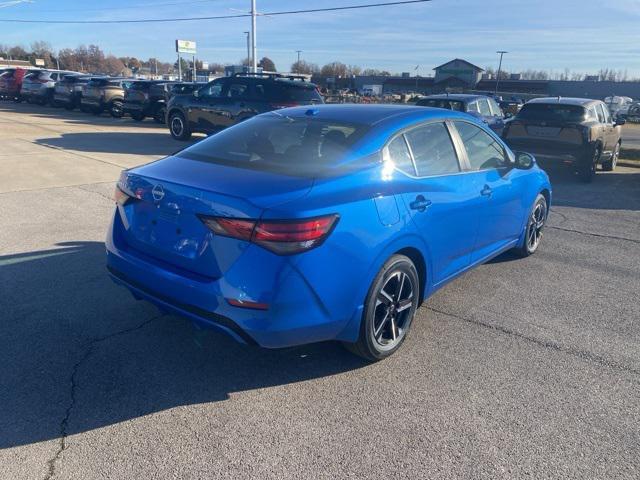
[269, 75]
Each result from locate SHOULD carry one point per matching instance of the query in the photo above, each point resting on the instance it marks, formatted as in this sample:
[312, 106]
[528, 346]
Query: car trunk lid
[163, 221]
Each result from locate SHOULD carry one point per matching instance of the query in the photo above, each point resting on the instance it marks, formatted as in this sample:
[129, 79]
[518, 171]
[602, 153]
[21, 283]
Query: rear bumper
[556, 154]
[296, 315]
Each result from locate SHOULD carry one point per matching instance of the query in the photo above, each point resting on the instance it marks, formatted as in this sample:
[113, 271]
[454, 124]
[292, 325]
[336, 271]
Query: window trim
[404, 131]
[465, 157]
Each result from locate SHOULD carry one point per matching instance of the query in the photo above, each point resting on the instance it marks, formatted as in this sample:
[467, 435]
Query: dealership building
[459, 75]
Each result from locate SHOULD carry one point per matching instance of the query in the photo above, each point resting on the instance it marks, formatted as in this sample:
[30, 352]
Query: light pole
[254, 50]
[501, 52]
[248, 34]
[299, 52]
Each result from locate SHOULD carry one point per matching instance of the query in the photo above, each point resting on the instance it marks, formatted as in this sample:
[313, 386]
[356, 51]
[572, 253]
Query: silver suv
[38, 86]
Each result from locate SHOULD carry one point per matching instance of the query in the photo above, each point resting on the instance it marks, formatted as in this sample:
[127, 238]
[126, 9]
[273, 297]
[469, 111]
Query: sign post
[188, 47]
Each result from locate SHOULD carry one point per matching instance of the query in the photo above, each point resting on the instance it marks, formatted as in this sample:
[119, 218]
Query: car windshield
[441, 103]
[552, 112]
[276, 143]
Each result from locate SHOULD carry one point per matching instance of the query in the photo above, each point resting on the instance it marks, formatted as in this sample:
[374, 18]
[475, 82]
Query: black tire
[535, 225]
[389, 309]
[179, 127]
[17, 99]
[160, 115]
[138, 117]
[610, 165]
[116, 109]
[590, 165]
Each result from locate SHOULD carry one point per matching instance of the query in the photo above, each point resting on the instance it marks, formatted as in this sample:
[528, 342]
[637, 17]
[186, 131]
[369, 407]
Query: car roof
[565, 101]
[370, 114]
[455, 96]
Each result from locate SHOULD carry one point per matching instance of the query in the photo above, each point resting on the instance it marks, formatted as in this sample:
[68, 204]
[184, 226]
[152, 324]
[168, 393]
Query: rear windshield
[552, 112]
[441, 103]
[295, 93]
[304, 147]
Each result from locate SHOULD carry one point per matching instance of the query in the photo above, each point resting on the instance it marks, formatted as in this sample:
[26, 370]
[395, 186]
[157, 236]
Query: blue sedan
[333, 222]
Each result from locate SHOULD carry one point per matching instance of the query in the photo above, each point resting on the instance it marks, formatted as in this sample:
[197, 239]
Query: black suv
[229, 100]
[146, 98]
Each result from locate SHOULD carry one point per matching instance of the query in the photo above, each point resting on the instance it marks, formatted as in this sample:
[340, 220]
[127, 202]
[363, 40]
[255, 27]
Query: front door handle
[486, 191]
[420, 204]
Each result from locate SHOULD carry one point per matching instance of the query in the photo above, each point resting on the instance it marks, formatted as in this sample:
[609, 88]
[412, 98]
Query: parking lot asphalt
[519, 369]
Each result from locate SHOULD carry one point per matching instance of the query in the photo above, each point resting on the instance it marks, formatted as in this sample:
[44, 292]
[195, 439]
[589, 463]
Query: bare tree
[305, 68]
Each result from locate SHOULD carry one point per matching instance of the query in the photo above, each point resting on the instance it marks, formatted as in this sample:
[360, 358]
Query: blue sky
[582, 35]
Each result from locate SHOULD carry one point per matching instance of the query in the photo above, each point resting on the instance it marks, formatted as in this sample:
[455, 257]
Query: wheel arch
[418, 260]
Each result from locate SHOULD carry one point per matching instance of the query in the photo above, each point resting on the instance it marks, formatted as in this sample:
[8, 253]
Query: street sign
[39, 62]
[205, 65]
[186, 46]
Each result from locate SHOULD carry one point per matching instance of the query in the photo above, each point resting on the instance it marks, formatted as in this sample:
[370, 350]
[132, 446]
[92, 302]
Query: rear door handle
[486, 191]
[420, 204]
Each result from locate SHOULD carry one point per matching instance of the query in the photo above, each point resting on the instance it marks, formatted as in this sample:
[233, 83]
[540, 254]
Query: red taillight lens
[284, 237]
[230, 227]
[120, 196]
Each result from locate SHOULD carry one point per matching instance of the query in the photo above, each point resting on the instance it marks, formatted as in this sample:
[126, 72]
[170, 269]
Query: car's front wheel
[178, 127]
[116, 109]
[389, 310]
[138, 116]
[535, 225]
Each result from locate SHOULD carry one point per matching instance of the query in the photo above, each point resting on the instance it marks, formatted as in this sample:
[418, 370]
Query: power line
[126, 7]
[217, 17]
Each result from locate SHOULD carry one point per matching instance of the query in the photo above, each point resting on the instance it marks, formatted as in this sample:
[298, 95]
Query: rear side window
[398, 152]
[483, 106]
[433, 150]
[140, 86]
[472, 107]
[483, 151]
[303, 147]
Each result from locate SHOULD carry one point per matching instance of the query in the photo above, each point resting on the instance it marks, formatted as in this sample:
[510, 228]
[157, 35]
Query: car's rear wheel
[178, 127]
[610, 165]
[389, 310]
[116, 109]
[590, 166]
[138, 117]
[535, 225]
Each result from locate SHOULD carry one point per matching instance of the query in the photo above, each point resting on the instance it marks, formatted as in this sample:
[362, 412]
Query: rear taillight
[284, 237]
[121, 197]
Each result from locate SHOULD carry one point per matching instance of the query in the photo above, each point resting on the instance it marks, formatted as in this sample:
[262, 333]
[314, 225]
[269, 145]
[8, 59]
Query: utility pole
[254, 50]
[299, 52]
[195, 71]
[179, 68]
[501, 52]
[248, 34]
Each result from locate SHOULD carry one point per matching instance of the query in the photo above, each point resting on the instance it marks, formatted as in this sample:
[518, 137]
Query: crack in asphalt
[600, 235]
[581, 354]
[62, 445]
[79, 187]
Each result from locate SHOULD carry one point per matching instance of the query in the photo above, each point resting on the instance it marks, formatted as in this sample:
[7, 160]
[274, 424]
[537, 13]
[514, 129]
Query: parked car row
[91, 93]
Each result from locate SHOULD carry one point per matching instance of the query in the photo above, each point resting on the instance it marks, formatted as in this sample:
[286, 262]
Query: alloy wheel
[536, 224]
[177, 127]
[393, 310]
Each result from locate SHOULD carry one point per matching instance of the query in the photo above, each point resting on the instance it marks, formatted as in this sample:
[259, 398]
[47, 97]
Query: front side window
[483, 151]
[433, 150]
[237, 90]
[602, 118]
[495, 108]
[605, 112]
[213, 89]
[472, 107]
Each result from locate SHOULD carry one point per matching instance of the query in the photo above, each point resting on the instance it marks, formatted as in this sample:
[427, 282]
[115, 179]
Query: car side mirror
[508, 115]
[524, 160]
[619, 121]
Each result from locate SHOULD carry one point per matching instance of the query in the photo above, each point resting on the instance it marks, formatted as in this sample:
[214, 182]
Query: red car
[11, 83]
